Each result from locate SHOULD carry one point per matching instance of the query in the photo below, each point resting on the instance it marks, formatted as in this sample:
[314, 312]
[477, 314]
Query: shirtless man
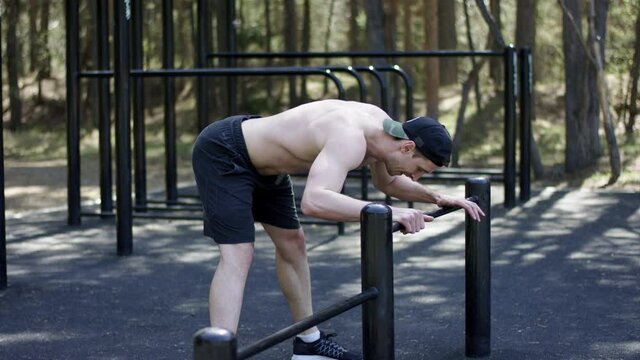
[240, 164]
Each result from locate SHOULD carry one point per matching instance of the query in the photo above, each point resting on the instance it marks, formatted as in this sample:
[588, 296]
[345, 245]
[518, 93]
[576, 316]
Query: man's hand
[412, 220]
[469, 206]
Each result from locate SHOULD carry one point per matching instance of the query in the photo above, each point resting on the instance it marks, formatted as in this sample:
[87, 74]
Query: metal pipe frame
[139, 141]
[171, 160]
[408, 87]
[73, 112]
[357, 54]
[510, 96]
[526, 94]
[104, 116]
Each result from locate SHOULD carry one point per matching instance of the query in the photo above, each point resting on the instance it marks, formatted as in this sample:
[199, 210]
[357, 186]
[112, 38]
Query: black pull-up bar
[436, 213]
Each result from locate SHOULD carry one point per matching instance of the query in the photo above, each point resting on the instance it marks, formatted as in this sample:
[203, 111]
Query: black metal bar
[3, 232]
[214, 343]
[124, 223]
[73, 112]
[384, 101]
[170, 158]
[362, 87]
[436, 213]
[478, 272]
[408, 87]
[104, 117]
[378, 334]
[510, 96]
[332, 311]
[356, 54]
[139, 141]
[526, 94]
[204, 41]
[257, 71]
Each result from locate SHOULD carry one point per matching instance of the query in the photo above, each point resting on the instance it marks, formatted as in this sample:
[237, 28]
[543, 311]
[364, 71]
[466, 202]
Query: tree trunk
[15, 104]
[447, 40]
[269, 35]
[33, 34]
[354, 30]
[597, 34]
[45, 54]
[306, 45]
[407, 14]
[327, 40]
[375, 34]
[432, 70]
[472, 48]
[290, 34]
[526, 36]
[495, 64]
[634, 75]
[581, 124]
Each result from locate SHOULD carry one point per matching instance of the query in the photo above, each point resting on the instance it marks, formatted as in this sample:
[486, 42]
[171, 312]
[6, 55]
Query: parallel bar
[436, 213]
[104, 117]
[478, 273]
[376, 242]
[124, 223]
[139, 141]
[214, 343]
[170, 158]
[526, 94]
[311, 321]
[510, 96]
[73, 112]
[357, 54]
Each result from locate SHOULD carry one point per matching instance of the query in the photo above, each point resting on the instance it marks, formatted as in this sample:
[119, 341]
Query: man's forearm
[405, 189]
[330, 205]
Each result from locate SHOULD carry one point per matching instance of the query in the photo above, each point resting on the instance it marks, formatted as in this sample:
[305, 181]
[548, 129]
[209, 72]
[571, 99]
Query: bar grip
[436, 213]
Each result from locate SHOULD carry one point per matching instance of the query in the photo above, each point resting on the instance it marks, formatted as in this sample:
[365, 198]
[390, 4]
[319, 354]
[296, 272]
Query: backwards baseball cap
[431, 138]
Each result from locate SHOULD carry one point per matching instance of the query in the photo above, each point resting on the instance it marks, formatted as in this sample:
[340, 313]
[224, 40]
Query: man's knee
[239, 256]
[291, 244]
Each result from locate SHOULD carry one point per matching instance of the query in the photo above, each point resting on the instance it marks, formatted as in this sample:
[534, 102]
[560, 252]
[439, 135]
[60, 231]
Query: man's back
[289, 142]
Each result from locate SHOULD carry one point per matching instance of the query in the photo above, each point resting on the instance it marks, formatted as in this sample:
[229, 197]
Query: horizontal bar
[304, 324]
[168, 208]
[262, 71]
[436, 213]
[356, 54]
[98, 214]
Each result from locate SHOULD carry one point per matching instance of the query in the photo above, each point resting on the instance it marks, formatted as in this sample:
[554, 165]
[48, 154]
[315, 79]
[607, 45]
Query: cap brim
[394, 128]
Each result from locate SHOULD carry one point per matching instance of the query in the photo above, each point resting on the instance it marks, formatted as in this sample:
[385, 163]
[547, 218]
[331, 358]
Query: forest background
[586, 67]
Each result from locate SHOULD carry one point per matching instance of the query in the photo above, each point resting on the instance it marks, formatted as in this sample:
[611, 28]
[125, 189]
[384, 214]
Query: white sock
[309, 338]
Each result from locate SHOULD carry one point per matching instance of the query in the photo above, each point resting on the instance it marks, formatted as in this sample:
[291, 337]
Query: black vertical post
[73, 112]
[104, 117]
[526, 94]
[214, 343]
[204, 41]
[232, 85]
[137, 83]
[124, 218]
[478, 272]
[3, 232]
[171, 178]
[510, 95]
[377, 271]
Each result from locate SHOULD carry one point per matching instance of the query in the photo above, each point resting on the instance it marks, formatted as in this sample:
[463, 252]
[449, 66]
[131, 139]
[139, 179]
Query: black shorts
[233, 194]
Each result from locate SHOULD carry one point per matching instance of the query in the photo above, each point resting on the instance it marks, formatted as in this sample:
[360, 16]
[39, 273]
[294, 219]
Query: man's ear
[407, 146]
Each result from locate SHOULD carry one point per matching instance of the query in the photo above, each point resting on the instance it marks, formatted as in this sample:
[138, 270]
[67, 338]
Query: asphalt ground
[565, 284]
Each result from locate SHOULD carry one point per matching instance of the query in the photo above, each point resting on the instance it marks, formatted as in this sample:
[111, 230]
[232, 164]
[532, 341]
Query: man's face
[409, 162]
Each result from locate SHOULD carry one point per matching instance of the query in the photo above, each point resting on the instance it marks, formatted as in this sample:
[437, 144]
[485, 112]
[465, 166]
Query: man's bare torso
[290, 141]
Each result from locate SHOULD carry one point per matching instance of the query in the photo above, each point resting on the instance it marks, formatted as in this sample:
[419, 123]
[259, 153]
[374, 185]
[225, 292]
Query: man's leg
[227, 286]
[292, 268]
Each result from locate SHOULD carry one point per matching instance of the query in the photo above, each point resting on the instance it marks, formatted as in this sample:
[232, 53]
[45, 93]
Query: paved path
[566, 285]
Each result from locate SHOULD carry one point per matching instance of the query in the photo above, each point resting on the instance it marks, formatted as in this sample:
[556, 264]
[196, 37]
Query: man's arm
[404, 188]
[322, 197]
